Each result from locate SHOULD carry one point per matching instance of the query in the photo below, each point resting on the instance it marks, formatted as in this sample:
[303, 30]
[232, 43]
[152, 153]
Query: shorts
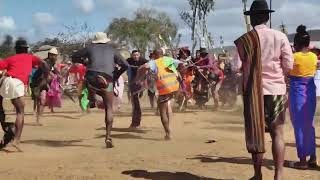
[274, 105]
[12, 88]
[99, 81]
[165, 98]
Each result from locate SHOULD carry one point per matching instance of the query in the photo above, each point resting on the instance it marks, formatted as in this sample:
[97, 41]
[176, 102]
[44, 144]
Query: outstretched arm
[142, 71]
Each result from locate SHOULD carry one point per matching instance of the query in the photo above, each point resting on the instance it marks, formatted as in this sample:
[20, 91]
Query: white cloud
[86, 6]
[42, 19]
[7, 23]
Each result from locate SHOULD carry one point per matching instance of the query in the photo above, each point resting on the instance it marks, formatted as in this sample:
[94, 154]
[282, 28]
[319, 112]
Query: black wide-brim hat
[203, 51]
[259, 7]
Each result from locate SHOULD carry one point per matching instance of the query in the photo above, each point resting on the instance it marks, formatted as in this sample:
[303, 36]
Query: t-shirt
[20, 66]
[305, 64]
[101, 58]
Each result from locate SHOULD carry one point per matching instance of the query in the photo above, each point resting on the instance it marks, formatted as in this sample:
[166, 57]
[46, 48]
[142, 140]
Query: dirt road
[71, 146]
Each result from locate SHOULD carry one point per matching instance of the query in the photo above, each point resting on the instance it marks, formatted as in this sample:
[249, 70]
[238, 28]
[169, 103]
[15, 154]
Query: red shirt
[79, 71]
[20, 66]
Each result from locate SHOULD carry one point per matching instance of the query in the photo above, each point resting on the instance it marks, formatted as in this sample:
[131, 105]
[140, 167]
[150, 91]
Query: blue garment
[302, 98]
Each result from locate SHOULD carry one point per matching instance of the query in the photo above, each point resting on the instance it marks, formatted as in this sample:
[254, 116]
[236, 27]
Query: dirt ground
[71, 146]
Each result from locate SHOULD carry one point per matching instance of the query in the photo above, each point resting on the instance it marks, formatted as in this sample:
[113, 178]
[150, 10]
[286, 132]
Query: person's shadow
[233, 160]
[163, 175]
[268, 163]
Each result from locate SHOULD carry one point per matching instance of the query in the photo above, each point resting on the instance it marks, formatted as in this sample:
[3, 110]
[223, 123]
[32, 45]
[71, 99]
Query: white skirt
[317, 82]
[12, 88]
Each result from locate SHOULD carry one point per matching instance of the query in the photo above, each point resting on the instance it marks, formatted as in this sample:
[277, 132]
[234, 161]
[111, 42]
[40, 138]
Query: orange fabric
[188, 78]
[167, 80]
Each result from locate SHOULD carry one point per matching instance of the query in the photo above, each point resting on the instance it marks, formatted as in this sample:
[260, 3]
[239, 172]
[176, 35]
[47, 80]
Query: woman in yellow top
[302, 97]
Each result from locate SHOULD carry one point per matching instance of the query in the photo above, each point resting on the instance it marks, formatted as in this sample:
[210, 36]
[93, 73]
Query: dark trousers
[136, 109]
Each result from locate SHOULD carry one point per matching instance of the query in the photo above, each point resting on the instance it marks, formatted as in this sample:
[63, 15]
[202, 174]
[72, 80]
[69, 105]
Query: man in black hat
[12, 86]
[265, 57]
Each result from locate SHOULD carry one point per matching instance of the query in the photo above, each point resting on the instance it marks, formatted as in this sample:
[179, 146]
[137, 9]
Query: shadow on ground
[233, 160]
[56, 143]
[139, 131]
[163, 175]
[63, 117]
[268, 163]
[127, 136]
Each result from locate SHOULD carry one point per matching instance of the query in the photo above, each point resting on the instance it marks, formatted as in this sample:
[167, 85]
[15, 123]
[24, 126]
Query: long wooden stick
[270, 14]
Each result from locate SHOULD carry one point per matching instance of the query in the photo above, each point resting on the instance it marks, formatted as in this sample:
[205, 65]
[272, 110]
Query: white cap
[53, 51]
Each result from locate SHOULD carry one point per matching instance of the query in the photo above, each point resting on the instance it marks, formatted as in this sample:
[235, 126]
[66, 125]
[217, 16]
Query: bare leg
[278, 145]
[34, 106]
[163, 108]
[19, 104]
[257, 164]
[51, 109]
[151, 98]
[40, 109]
[107, 100]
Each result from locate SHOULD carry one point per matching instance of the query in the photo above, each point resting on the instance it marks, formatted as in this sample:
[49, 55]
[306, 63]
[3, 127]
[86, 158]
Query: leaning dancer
[266, 57]
[12, 86]
[101, 74]
[167, 84]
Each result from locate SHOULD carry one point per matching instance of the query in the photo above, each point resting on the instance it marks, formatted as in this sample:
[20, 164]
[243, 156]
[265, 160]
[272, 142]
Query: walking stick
[270, 14]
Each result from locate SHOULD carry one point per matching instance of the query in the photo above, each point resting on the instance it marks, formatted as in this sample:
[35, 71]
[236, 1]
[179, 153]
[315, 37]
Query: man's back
[101, 58]
[276, 59]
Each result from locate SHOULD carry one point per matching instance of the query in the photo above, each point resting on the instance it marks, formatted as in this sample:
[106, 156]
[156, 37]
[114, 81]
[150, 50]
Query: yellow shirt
[305, 64]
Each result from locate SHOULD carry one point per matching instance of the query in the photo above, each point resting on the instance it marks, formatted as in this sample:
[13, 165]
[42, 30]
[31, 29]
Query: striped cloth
[249, 51]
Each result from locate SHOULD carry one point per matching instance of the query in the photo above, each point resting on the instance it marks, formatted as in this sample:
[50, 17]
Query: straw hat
[100, 38]
[53, 51]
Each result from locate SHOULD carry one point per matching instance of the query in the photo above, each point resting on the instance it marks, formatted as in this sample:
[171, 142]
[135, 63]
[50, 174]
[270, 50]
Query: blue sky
[36, 19]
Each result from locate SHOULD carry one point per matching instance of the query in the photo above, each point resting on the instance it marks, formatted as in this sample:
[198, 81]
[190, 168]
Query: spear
[270, 14]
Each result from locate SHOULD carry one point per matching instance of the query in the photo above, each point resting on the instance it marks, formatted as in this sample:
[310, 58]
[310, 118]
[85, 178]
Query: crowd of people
[275, 76]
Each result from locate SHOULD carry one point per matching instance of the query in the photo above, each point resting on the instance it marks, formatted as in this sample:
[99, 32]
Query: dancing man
[12, 86]
[167, 84]
[135, 62]
[45, 85]
[265, 58]
[102, 57]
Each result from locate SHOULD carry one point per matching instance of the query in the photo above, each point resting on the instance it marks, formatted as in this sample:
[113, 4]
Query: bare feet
[167, 138]
[256, 177]
[14, 146]
[109, 143]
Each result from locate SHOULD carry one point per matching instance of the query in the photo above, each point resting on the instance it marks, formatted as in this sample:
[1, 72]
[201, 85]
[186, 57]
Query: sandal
[298, 165]
[109, 143]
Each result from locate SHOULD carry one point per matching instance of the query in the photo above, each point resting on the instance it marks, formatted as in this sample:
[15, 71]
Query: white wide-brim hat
[53, 51]
[100, 38]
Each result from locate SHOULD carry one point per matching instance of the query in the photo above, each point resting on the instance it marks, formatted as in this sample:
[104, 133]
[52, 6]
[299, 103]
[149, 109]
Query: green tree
[148, 29]
[7, 47]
